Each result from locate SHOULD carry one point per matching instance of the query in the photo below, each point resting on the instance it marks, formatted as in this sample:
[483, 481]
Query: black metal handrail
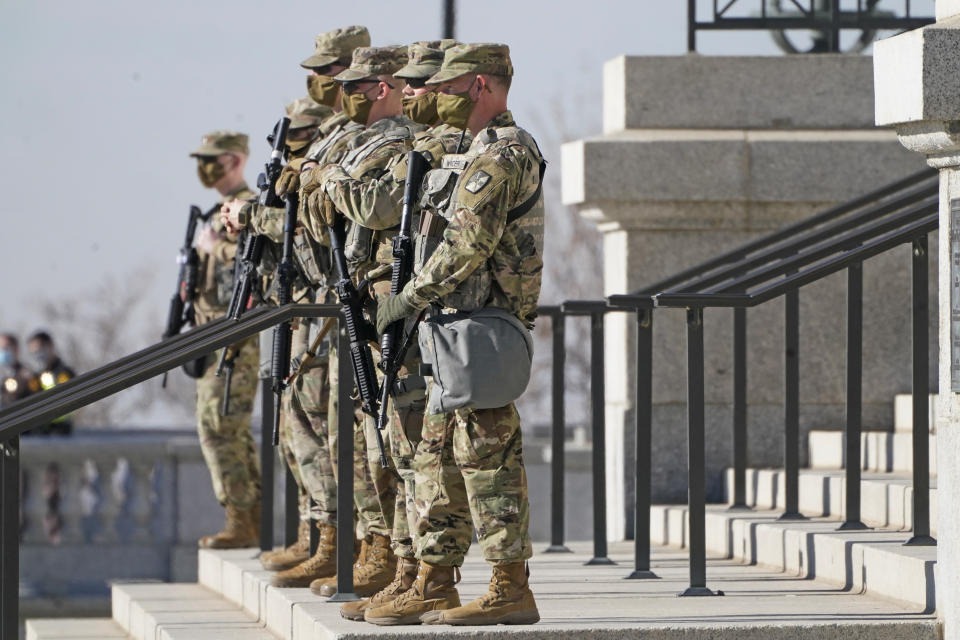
[141, 366]
[776, 264]
[756, 279]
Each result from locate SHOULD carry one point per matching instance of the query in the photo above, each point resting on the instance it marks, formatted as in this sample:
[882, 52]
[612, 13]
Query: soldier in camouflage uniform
[305, 117]
[373, 201]
[309, 409]
[471, 462]
[226, 441]
[372, 96]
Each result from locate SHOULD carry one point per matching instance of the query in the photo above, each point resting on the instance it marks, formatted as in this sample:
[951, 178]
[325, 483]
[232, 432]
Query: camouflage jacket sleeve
[370, 194]
[485, 194]
[267, 221]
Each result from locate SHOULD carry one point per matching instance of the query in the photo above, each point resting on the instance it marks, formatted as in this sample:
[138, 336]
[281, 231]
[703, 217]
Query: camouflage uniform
[469, 464]
[307, 437]
[481, 261]
[368, 155]
[372, 198]
[226, 441]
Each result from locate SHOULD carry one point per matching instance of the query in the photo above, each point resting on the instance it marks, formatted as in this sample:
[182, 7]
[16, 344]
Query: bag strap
[518, 212]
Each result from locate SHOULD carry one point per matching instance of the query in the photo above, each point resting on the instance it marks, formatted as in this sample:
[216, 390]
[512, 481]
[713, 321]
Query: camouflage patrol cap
[425, 58]
[474, 58]
[369, 62]
[305, 112]
[218, 142]
[336, 46]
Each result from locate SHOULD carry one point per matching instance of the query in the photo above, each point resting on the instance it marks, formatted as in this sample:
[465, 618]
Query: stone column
[700, 154]
[917, 76]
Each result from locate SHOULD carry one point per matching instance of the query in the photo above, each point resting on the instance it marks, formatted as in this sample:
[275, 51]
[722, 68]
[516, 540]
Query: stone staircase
[872, 561]
[782, 579]
[233, 601]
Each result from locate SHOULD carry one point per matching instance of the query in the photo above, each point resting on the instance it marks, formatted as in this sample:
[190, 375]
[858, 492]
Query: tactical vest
[313, 259]
[437, 207]
[364, 246]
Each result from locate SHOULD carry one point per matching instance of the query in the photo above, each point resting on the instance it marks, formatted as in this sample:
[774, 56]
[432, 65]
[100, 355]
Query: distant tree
[573, 269]
[113, 319]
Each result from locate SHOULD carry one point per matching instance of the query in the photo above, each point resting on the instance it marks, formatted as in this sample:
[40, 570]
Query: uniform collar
[505, 119]
[332, 122]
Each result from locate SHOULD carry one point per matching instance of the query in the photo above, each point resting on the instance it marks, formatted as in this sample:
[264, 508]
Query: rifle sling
[518, 212]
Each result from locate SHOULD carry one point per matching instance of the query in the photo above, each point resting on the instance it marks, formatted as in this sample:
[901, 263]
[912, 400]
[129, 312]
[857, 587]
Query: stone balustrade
[103, 506]
[107, 506]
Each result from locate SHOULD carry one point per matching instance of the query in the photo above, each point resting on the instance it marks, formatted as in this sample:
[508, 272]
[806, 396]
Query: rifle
[181, 308]
[245, 268]
[283, 332]
[393, 343]
[358, 329]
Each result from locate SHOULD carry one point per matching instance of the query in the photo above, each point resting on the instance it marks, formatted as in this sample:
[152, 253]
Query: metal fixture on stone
[823, 20]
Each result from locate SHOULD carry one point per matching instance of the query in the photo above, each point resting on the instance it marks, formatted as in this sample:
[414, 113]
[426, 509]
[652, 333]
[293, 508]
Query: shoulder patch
[478, 180]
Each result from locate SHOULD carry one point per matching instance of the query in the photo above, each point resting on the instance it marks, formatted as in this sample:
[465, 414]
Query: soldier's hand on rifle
[310, 181]
[289, 179]
[208, 239]
[230, 215]
[321, 207]
[392, 309]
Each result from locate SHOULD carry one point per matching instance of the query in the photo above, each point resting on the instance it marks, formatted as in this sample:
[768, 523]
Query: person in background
[50, 371]
[17, 381]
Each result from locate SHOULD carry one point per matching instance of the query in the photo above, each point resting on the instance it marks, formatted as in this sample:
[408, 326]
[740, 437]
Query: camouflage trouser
[370, 518]
[470, 464]
[226, 441]
[405, 427]
[305, 434]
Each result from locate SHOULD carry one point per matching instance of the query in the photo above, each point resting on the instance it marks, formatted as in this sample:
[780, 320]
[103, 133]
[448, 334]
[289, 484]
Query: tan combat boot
[402, 580]
[322, 564]
[292, 555]
[508, 601]
[242, 529]
[433, 590]
[371, 574]
[326, 587]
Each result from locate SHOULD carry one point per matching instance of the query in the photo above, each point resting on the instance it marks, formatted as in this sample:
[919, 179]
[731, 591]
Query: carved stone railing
[99, 507]
[112, 505]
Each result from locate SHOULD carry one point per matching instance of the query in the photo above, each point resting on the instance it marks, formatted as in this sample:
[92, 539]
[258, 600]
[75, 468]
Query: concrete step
[73, 629]
[872, 562]
[880, 451]
[903, 412]
[886, 499]
[577, 601]
[181, 611]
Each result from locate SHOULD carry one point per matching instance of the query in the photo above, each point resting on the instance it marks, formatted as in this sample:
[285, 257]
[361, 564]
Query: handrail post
[345, 535]
[10, 537]
[596, 309]
[921, 391]
[291, 508]
[644, 436]
[696, 456]
[597, 411]
[852, 520]
[558, 430]
[314, 531]
[266, 465]
[740, 410]
[791, 436]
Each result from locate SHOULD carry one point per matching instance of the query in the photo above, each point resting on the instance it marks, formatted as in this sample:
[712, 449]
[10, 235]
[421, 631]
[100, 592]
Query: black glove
[392, 309]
